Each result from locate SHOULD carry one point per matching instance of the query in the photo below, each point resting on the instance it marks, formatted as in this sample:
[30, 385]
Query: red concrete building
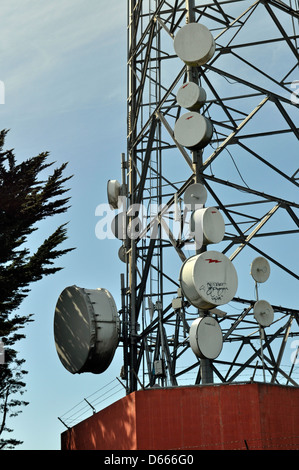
[254, 416]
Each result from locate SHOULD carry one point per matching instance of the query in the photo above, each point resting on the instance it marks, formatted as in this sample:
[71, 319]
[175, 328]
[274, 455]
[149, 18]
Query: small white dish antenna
[260, 269]
[263, 313]
[191, 96]
[207, 225]
[205, 338]
[193, 131]
[113, 193]
[194, 44]
[195, 194]
[122, 254]
[119, 226]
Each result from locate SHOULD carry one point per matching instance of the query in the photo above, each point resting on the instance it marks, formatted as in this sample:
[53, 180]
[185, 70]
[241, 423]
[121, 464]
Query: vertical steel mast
[249, 170]
[132, 165]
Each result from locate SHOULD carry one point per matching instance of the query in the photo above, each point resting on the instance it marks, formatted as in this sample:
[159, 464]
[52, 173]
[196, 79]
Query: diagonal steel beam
[280, 27]
[287, 117]
[223, 145]
[266, 162]
[282, 348]
[274, 261]
[292, 214]
[144, 72]
[170, 132]
[265, 196]
[256, 354]
[145, 163]
[263, 91]
[257, 229]
[145, 275]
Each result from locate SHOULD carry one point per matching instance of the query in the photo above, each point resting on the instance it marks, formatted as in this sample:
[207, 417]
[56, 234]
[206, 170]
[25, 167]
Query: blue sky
[63, 64]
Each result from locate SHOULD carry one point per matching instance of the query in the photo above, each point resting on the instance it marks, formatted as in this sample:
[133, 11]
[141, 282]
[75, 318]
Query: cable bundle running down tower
[208, 196]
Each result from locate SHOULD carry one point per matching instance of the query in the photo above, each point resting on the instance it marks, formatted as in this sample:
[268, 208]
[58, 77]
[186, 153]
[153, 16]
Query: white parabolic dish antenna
[208, 225]
[194, 44]
[263, 313]
[86, 329]
[193, 131]
[260, 269]
[205, 338]
[191, 96]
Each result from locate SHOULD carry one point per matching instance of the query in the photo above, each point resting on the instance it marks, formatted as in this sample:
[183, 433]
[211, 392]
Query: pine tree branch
[27, 197]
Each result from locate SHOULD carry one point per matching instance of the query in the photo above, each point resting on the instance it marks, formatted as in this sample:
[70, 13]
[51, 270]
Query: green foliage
[25, 200]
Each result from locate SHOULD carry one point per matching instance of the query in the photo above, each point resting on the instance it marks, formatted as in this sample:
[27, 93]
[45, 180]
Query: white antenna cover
[260, 269]
[193, 131]
[191, 96]
[207, 225]
[195, 194]
[119, 226]
[113, 193]
[208, 280]
[263, 313]
[205, 338]
[122, 254]
[86, 329]
[194, 44]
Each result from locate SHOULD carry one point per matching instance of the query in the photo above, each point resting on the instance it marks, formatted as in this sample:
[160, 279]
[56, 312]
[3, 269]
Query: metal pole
[124, 331]
[132, 184]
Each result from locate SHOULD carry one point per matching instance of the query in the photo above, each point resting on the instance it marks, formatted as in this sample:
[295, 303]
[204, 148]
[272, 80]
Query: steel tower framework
[250, 171]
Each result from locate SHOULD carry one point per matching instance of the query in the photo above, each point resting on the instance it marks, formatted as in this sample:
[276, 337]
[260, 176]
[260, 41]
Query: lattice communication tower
[209, 224]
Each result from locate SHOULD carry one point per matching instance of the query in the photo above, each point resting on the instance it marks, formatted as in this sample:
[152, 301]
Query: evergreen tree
[25, 200]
